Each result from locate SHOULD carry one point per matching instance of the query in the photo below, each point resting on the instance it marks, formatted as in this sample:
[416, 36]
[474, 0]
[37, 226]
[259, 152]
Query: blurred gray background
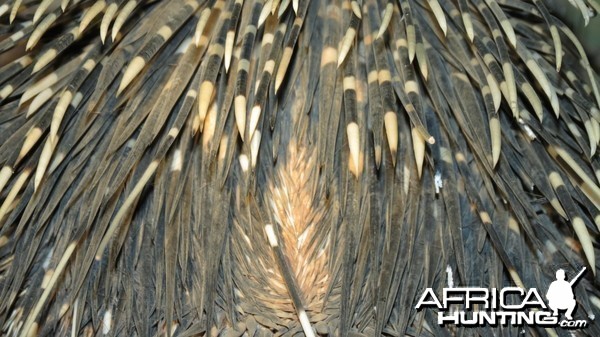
[589, 35]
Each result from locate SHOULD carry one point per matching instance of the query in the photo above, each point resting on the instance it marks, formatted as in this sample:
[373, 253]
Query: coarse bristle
[258, 168]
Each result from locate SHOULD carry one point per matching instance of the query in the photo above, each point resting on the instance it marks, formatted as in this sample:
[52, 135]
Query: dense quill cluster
[288, 167]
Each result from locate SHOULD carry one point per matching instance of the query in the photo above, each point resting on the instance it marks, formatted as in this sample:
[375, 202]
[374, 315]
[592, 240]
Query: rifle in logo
[577, 276]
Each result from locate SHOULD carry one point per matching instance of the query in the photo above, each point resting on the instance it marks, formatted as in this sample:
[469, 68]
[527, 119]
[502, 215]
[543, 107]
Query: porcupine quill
[259, 168]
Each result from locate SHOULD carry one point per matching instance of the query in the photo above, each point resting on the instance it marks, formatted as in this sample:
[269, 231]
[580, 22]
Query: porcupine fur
[230, 168]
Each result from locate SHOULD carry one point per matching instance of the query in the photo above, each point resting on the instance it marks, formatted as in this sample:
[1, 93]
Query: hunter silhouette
[560, 294]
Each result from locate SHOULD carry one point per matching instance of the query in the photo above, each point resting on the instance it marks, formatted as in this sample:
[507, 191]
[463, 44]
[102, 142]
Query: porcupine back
[146, 147]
